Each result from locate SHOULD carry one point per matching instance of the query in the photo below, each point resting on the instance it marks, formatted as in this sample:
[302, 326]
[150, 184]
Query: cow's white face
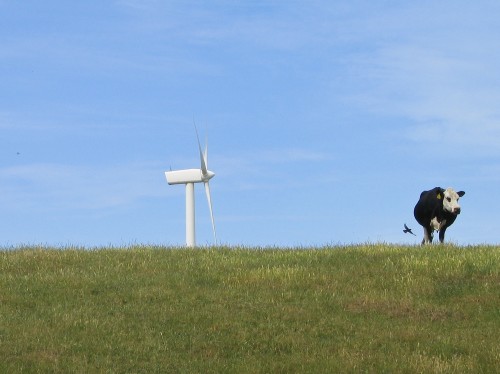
[450, 200]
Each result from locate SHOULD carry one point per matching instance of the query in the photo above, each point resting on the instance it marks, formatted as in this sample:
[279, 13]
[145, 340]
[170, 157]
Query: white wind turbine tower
[189, 177]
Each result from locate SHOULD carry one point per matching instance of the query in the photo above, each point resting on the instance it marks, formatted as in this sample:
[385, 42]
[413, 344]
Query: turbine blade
[209, 199]
[205, 154]
[204, 168]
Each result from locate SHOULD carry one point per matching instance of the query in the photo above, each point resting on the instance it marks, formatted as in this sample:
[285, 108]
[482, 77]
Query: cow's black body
[431, 214]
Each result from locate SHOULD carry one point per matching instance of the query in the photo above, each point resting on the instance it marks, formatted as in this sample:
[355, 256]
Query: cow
[436, 210]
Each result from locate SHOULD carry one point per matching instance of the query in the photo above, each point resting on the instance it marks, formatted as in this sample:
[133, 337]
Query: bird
[408, 230]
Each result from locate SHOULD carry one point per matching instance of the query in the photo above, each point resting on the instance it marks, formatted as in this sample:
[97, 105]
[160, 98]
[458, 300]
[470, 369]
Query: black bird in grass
[407, 229]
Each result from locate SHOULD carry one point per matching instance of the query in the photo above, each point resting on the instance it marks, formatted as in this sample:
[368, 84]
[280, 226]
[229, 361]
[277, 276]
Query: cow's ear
[439, 193]
[461, 193]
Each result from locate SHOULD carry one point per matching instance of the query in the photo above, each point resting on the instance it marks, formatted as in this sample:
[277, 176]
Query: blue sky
[325, 119]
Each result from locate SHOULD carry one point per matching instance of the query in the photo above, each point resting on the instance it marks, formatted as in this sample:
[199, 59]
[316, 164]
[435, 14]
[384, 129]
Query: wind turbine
[189, 177]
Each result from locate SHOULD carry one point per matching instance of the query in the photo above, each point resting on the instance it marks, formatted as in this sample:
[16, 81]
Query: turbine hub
[208, 175]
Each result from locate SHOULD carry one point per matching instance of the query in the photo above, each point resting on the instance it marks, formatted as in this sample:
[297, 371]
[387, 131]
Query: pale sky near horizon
[325, 119]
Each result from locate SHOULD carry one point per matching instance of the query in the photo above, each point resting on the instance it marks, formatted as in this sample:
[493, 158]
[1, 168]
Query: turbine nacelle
[188, 176]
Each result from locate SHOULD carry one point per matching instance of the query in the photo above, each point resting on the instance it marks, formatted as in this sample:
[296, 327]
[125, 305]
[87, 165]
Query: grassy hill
[363, 308]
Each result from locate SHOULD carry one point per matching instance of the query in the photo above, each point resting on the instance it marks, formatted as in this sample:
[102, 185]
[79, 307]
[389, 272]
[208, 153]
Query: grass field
[361, 308]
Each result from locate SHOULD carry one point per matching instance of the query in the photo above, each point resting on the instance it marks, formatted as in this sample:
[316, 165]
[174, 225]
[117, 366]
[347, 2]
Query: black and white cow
[436, 210]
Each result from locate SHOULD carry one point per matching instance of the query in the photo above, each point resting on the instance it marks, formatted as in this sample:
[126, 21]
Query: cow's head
[450, 200]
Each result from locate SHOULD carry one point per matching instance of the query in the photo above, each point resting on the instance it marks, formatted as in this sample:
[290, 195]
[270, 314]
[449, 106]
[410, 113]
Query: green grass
[361, 308]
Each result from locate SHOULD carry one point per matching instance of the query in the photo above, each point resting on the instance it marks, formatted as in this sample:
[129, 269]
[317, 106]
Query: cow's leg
[427, 235]
[441, 234]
